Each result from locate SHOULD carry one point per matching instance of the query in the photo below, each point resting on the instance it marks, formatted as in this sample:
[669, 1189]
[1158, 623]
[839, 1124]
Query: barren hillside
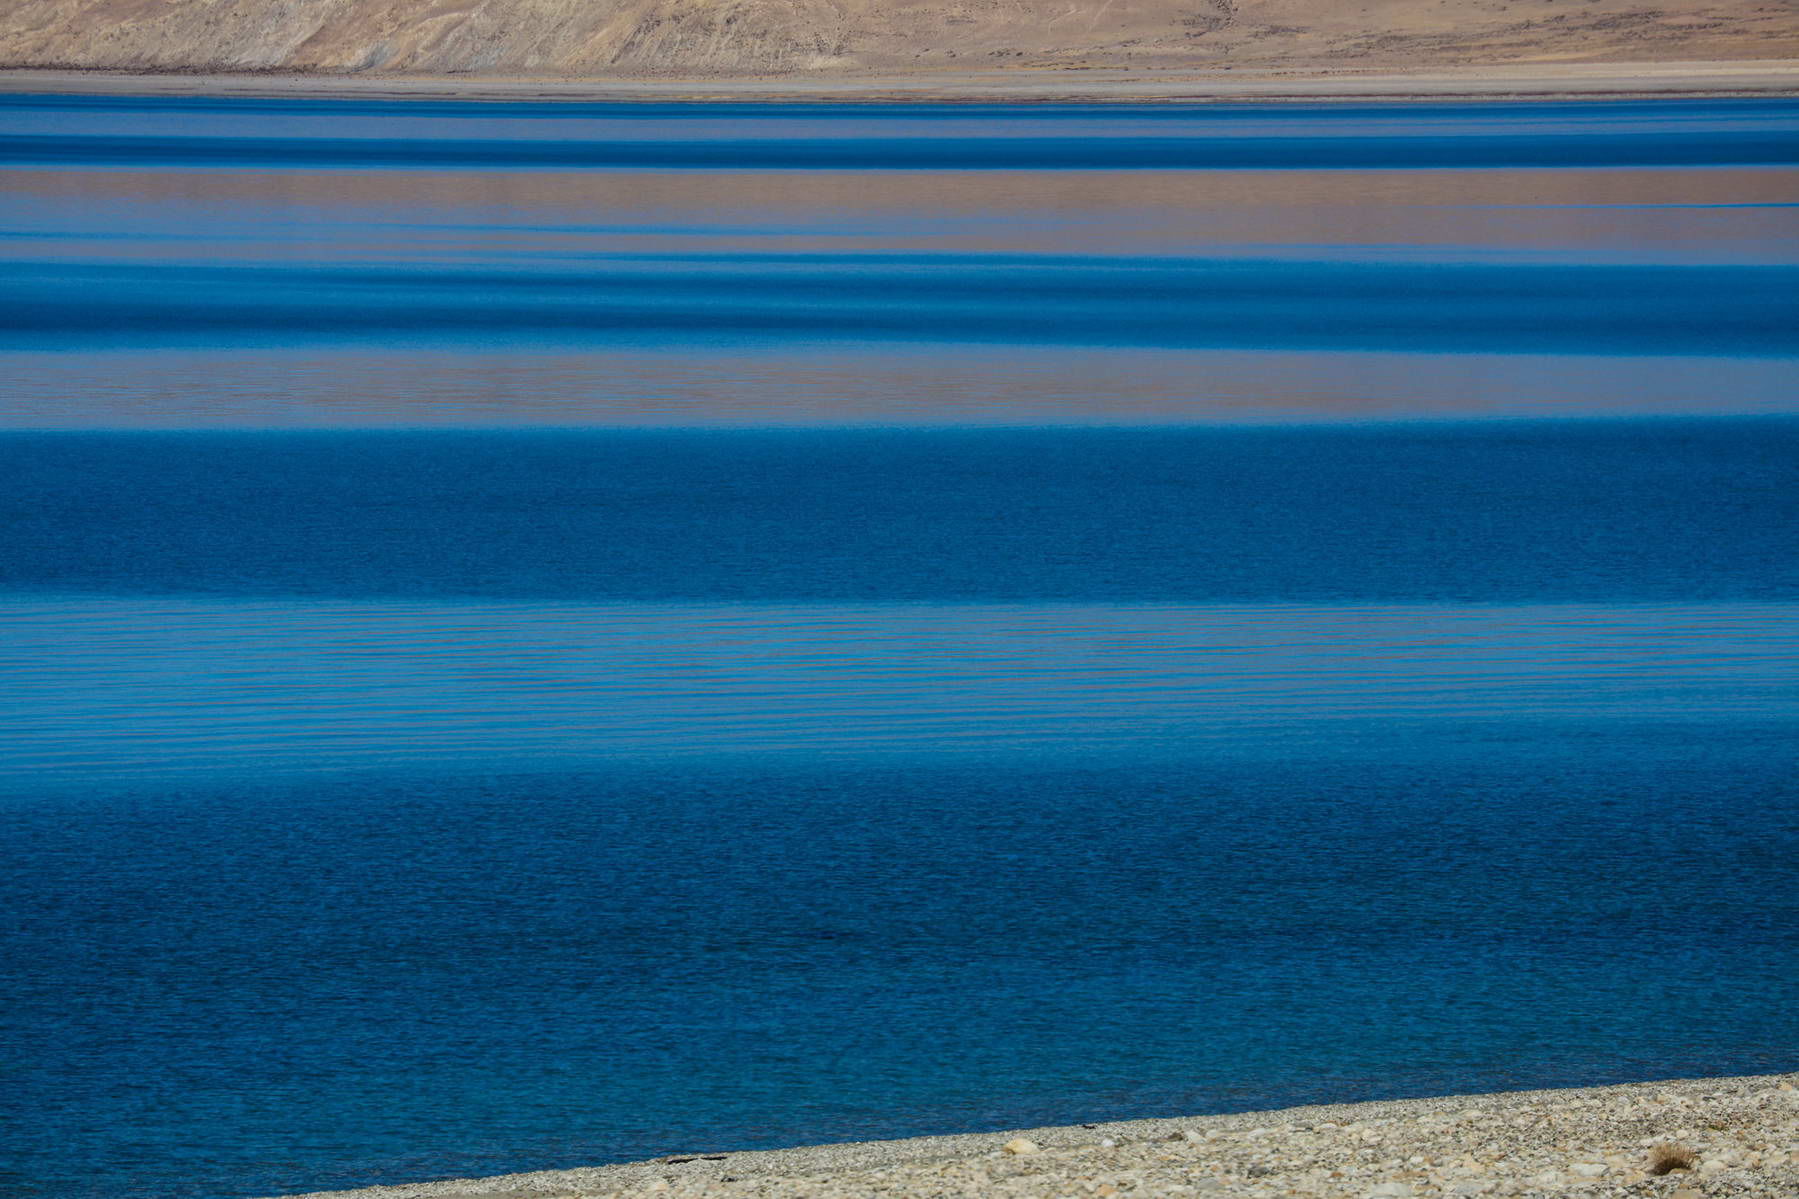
[723, 38]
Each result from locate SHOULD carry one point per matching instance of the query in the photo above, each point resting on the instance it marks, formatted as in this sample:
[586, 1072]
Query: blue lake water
[542, 634]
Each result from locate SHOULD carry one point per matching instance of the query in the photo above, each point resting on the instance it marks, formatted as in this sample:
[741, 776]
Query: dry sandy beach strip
[1679, 1140]
[1591, 80]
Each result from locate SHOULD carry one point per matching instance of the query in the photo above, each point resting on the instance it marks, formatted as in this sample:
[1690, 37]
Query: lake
[542, 634]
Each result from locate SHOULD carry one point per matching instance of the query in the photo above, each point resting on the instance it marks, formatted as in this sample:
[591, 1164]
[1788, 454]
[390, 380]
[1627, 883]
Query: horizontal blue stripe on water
[1601, 512]
[44, 132]
[96, 687]
[1143, 153]
[1585, 308]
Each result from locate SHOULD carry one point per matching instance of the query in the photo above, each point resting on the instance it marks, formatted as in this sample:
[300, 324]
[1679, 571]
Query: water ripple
[131, 685]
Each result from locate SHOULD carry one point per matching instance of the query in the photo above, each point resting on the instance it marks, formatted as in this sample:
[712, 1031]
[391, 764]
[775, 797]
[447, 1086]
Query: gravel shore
[1678, 1140]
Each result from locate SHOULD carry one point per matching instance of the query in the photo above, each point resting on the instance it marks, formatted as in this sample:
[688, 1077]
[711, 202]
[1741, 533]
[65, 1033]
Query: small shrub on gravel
[1667, 1158]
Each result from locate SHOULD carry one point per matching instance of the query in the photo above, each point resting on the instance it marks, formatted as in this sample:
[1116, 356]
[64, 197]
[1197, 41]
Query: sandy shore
[1539, 81]
[1740, 1135]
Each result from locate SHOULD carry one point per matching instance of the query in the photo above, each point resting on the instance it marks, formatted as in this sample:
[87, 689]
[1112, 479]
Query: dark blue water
[1674, 510]
[1458, 307]
[235, 987]
[536, 635]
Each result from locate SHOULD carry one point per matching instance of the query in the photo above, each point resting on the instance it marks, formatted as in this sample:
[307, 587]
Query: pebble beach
[1677, 1140]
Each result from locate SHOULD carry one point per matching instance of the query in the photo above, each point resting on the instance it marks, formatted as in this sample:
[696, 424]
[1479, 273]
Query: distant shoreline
[1739, 1135]
[1561, 81]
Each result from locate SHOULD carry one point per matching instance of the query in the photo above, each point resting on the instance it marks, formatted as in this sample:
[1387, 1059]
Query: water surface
[535, 635]
[913, 271]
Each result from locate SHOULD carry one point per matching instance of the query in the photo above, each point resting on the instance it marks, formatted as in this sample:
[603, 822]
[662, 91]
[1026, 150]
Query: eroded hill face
[722, 38]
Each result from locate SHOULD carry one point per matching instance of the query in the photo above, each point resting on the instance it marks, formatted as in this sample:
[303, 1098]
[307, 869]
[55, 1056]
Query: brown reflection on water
[573, 191]
[576, 221]
[853, 384]
[1631, 213]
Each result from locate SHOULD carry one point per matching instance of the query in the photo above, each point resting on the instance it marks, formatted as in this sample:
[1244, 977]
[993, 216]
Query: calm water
[534, 635]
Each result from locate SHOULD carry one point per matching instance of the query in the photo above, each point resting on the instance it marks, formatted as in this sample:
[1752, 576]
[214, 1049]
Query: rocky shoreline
[1678, 1140]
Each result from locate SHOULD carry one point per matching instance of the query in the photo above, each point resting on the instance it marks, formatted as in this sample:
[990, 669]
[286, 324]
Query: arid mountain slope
[721, 38]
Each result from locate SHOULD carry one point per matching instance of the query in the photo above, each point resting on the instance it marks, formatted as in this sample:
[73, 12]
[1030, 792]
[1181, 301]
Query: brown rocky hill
[726, 38]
